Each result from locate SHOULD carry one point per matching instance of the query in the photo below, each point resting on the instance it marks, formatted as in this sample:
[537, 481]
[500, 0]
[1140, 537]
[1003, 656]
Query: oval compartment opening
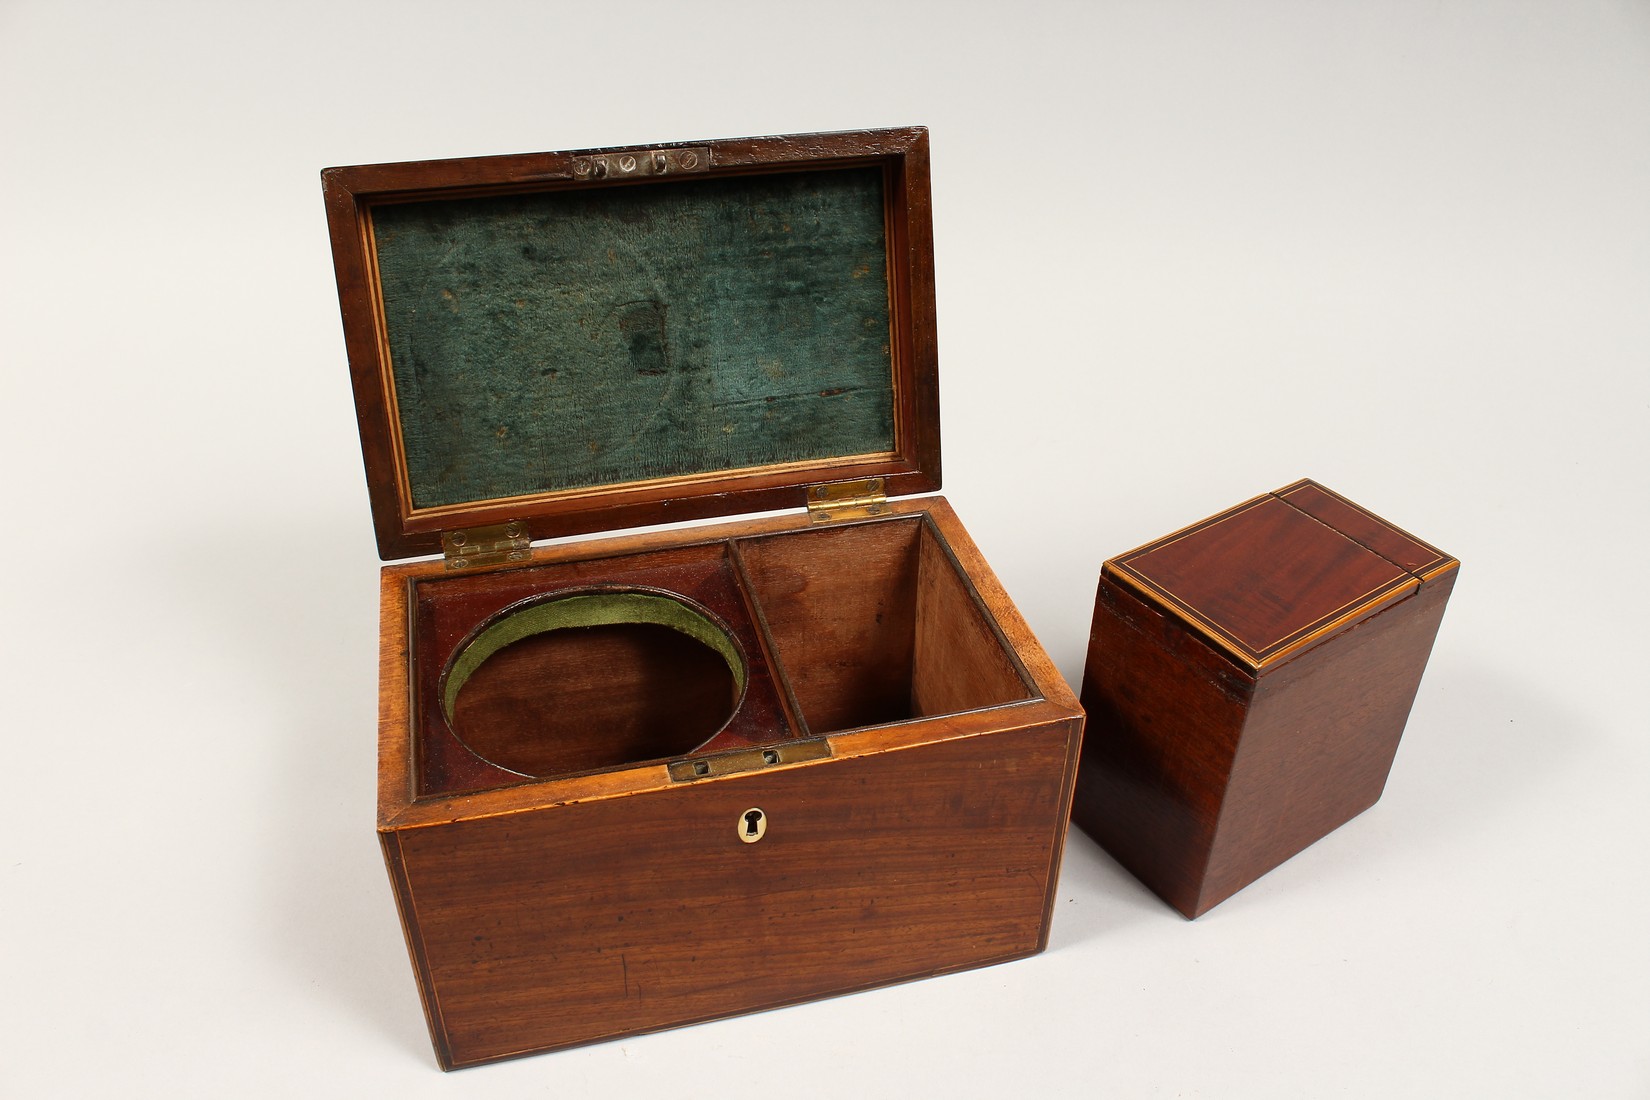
[590, 680]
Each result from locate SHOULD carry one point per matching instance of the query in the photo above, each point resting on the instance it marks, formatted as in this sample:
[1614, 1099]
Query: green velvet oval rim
[591, 609]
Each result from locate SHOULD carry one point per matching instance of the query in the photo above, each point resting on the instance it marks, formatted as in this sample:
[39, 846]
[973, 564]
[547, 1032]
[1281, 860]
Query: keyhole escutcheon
[753, 823]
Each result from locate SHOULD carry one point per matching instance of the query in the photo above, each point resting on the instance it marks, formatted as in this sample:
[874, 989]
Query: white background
[1187, 252]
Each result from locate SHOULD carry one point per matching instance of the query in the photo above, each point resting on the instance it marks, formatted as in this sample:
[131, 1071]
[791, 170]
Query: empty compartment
[592, 679]
[874, 623]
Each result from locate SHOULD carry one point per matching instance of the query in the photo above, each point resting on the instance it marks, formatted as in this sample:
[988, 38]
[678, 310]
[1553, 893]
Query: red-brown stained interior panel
[1265, 577]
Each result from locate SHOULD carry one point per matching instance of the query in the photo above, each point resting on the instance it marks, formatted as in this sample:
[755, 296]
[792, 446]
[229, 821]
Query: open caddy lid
[594, 340]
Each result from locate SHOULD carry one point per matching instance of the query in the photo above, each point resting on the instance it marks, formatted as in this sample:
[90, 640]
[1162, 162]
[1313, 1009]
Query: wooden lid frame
[913, 466]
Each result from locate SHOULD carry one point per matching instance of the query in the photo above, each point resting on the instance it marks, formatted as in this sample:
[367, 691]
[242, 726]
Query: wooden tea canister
[1247, 682]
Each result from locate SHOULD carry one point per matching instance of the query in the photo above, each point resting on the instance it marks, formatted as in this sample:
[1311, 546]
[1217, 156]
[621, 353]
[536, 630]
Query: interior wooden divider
[873, 623]
[844, 627]
[839, 607]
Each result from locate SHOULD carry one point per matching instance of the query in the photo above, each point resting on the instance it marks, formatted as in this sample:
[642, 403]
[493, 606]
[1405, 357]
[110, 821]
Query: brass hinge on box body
[836, 501]
[485, 545]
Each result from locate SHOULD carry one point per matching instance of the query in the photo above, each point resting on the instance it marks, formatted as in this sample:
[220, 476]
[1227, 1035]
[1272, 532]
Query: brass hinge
[485, 545]
[842, 500]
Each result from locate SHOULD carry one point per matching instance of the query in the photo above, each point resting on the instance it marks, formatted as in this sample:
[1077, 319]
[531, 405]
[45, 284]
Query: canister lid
[1281, 572]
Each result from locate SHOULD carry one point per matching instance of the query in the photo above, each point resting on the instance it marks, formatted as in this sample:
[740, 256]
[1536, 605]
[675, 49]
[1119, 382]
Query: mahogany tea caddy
[670, 776]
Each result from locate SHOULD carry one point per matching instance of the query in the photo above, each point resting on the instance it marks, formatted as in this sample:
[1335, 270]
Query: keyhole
[752, 824]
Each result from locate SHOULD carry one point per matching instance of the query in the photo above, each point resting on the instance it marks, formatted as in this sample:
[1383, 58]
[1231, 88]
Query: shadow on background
[306, 623]
[1480, 746]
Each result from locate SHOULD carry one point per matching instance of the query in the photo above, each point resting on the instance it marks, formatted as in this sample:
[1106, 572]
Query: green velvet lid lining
[579, 338]
[585, 610]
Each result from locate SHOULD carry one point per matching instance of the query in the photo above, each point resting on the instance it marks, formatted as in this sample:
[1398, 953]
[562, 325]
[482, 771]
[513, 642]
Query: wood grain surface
[926, 837]
[611, 917]
[1208, 763]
